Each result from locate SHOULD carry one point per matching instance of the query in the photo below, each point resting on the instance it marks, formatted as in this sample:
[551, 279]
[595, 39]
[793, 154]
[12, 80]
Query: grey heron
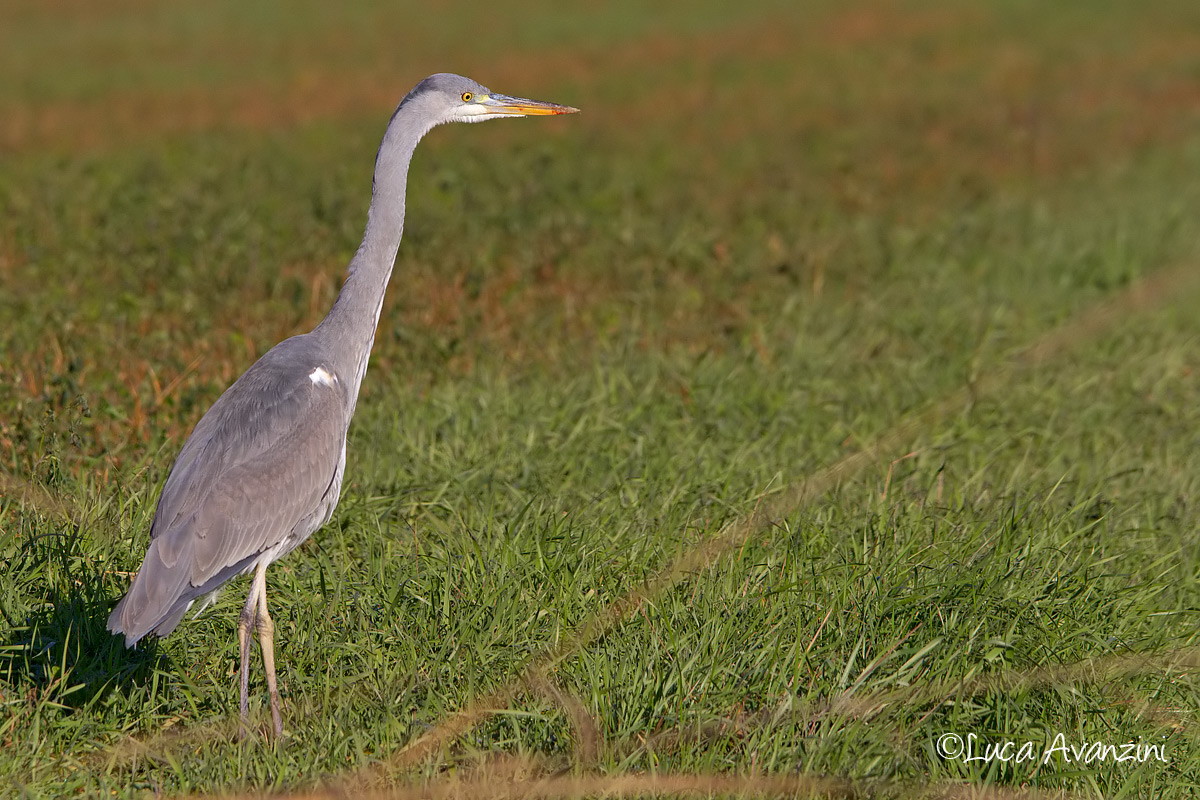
[262, 470]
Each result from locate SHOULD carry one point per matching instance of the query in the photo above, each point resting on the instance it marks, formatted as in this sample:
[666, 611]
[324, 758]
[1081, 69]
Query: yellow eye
[466, 97]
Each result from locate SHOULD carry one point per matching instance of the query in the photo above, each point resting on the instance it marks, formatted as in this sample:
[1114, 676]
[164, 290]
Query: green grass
[767, 244]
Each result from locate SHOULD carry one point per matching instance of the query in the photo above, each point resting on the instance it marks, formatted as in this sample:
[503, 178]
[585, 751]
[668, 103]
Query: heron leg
[248, 616]
[266, 637]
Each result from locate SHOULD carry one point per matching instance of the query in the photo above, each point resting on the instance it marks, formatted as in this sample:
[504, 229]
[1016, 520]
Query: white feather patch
[322, 377]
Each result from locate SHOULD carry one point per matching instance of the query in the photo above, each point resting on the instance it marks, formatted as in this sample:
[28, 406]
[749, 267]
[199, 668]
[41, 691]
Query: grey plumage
[263, 468]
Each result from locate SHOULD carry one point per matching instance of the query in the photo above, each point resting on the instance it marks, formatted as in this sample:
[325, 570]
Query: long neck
[348, 330]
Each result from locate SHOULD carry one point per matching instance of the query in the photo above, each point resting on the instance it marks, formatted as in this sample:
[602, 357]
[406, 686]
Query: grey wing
[258, 469]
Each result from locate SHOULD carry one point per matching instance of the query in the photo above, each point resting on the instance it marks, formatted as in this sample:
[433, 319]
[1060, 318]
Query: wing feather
[257, 469]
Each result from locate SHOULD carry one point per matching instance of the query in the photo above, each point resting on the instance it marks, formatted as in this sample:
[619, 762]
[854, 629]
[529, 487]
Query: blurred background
[183, 183]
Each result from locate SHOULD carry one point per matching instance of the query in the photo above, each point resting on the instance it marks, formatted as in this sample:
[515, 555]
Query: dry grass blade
[511, 778]
[1097, 671]
[31, 494]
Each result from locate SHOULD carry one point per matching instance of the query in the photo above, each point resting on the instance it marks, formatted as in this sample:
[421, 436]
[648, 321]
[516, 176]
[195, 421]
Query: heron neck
[348, 331]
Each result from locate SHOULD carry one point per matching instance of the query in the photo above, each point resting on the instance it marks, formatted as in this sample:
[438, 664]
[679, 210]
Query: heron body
[263, 468]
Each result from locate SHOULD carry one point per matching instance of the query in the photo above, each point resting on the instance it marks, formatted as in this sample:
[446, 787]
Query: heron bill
[519, 106]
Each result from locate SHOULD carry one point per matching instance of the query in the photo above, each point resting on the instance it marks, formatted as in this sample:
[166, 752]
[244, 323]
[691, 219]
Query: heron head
[453, 98]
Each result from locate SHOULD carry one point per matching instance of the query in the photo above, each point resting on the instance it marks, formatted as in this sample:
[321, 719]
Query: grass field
[827, 389]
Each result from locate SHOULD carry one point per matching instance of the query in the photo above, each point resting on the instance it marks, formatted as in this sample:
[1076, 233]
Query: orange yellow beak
[520, 107]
